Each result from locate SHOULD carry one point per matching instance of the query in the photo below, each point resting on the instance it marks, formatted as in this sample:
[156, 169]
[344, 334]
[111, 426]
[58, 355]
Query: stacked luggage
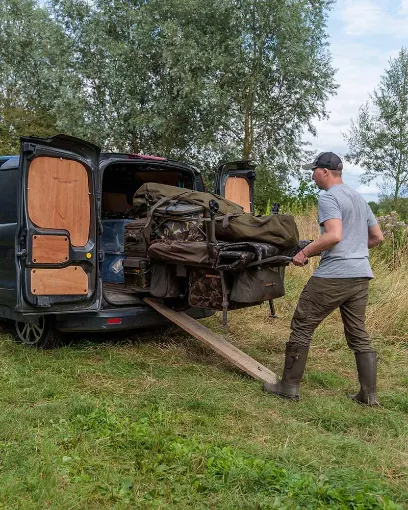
[199, 249]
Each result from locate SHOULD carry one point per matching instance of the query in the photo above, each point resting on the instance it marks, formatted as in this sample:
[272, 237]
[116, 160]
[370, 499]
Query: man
[348, 229]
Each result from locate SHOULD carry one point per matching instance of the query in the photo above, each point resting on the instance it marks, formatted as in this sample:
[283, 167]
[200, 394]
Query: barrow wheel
[42, 335]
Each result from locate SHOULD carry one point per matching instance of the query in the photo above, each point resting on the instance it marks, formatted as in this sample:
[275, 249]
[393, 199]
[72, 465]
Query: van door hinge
[22, 254]
[101, 255]
[29, 147]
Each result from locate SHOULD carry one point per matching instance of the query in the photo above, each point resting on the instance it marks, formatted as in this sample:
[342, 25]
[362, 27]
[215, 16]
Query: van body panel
[8, 228]
[57, 205]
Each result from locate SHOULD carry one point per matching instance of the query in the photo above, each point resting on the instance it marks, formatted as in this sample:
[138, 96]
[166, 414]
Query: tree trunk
[248, 137]
[134, 143]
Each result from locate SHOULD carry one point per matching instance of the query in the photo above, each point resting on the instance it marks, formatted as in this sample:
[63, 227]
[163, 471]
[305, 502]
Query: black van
[63, 209]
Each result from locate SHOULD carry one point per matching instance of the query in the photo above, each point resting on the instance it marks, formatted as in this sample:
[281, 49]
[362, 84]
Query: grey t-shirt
[348, 258]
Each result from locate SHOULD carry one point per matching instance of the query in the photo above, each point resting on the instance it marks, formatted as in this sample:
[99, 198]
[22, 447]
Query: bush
[394, 250]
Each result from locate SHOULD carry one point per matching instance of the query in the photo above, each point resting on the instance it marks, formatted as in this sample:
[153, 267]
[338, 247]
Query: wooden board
[216, 342]
[50, 249]
[68, 281]
[237, 190]
[58, 197]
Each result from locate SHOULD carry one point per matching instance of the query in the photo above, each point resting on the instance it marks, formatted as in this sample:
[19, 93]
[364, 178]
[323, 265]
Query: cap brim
[309, 166]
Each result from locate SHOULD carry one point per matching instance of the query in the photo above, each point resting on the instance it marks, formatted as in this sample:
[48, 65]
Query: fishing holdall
[277, 229]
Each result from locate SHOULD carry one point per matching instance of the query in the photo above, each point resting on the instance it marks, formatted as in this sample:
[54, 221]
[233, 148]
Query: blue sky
[364, 35]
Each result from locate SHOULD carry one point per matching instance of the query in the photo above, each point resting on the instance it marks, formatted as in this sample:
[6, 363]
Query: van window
[8, 195]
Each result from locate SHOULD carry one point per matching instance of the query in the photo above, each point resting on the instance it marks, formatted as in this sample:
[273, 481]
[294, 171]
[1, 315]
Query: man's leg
[317, 300]
[353, 316]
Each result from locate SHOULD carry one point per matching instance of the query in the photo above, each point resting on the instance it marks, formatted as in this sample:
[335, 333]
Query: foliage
[394, 249]
[295, 200]
[387, 204]
[192, 80]
[375, 207]
[278, 76]
[378, 139]
[31, 62]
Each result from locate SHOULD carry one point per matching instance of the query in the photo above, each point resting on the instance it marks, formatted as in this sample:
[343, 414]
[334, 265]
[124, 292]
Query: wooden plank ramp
[215, 341]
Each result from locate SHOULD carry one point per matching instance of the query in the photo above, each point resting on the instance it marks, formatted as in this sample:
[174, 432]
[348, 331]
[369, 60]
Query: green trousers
[320, 297]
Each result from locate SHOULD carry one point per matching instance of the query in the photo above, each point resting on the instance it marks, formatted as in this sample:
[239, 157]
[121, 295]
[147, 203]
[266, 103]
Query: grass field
[155, 420]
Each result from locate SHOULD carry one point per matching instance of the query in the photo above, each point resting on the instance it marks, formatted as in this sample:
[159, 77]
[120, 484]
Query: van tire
[41, 336]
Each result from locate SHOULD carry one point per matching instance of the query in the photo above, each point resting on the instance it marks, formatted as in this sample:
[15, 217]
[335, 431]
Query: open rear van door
[56, 242]
[235, 181]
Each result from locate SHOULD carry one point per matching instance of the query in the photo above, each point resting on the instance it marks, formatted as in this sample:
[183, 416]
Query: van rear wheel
[41, 335]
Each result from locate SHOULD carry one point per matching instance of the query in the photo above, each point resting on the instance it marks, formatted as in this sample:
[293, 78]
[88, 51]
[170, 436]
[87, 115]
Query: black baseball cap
[327, 160]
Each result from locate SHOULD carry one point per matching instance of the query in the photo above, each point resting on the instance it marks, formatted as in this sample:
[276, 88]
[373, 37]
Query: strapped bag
[255, 285]
[277, 229]
[188, 252]
[151, 192]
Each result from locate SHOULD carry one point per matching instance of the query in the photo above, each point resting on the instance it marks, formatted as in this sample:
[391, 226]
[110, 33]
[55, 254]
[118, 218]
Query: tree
[30, 62]
[378, 139]
[187, 78]
[279, 76]
[147, 72]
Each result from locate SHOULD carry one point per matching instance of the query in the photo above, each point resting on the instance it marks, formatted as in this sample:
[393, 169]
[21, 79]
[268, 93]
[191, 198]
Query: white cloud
[367, 17]
[368, 189]
[365, 34]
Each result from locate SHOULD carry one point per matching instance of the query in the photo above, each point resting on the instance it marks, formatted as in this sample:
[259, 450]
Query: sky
[364, 35]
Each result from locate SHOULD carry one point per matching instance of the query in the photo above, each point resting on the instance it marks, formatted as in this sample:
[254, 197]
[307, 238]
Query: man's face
[319, 176]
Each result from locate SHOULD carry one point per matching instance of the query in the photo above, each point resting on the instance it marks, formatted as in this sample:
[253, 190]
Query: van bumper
[139, 317]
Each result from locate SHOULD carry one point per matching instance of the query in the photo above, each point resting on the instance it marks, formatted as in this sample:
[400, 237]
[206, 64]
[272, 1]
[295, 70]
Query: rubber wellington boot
[295, 363]
[367, 376]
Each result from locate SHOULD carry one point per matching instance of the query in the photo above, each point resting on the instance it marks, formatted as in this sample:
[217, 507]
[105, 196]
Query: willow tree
[378, 138]
[31, 63]
[280, 75]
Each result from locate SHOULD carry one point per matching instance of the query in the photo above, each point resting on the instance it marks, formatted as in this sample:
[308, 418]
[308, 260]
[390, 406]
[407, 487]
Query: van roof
[8, 162]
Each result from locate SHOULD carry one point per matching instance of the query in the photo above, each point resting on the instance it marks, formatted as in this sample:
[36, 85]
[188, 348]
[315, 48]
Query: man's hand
[300, 259]
[375, 236]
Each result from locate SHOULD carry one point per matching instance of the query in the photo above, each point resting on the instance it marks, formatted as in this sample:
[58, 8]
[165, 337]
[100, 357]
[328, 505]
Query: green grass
[156, 420]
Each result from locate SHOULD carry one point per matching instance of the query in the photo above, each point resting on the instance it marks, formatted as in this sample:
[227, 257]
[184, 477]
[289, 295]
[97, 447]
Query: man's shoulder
[343, 192]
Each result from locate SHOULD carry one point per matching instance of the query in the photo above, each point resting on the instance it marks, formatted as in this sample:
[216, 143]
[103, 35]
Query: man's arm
[375, 236]
[333, 231]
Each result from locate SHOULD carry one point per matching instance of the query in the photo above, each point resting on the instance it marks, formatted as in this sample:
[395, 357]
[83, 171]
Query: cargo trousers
[320, 297]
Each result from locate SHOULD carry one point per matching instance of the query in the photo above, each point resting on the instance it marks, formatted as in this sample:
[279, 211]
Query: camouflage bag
[178, 221]
[235, 256]
[205, 289]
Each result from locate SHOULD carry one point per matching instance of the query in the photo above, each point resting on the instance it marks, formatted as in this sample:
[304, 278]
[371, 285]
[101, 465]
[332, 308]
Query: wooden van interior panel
[58, 197]
[50, 249]
[237, 190]
[71, 280]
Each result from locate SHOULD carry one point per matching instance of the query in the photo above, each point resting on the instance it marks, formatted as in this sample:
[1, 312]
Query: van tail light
[114, 320]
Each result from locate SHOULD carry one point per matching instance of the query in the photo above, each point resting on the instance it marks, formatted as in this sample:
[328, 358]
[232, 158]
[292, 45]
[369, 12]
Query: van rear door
[235, 181]
[56, 242]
